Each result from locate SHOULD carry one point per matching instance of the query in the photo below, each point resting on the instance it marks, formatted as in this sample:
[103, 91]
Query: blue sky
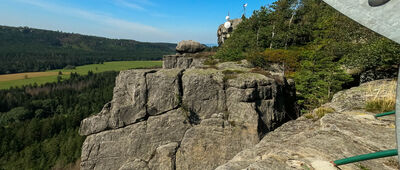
[142, 20]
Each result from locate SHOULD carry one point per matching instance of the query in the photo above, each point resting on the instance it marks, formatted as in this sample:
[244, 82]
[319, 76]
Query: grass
[231, 74]
[261, 71]
[382, 99]
[20, 79]
[319, 113]
[380, 106]
[362, 167]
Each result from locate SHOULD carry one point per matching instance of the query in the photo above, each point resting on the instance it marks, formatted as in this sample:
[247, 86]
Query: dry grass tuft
[382, 99]
[319, 113]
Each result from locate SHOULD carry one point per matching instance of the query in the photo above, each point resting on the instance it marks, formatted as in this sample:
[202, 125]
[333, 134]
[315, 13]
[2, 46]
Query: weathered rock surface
[184, 119]
[224, 33]
[182, 61]
[189, 46]
[122, 148]
[309, 144]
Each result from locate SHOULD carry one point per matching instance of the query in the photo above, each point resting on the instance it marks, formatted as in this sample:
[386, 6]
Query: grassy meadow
[20, 79]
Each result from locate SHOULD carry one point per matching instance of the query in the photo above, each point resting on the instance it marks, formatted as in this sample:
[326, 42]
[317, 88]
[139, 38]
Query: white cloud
[118, 28]
[130, 5]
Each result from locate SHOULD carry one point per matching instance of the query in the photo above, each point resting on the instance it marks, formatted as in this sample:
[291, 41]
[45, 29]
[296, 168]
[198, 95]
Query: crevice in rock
[174, 155]
[180, 87]
[262, 128]
[146, 93]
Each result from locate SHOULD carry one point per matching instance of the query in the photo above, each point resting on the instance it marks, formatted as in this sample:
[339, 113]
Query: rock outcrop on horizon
[224, 33]
[192, 118]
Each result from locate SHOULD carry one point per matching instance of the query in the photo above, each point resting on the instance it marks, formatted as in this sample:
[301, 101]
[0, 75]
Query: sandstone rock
[96, 123]
[184, 119]
[164, 158]
[129, 99]
[212, 143]
[127, 107]
[113, 148]
[135, 164]
[308, 144]
[356, 97]
[182, 62]
[189, 46]
[163, 91]
[203, 92]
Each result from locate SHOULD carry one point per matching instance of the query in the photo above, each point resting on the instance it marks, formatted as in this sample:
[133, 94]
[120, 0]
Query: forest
[320, 48]
[39, 124]
[24, 49]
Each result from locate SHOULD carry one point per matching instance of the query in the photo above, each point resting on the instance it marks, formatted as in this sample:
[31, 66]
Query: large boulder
[346, 130]
[196, 118]
[189, 46]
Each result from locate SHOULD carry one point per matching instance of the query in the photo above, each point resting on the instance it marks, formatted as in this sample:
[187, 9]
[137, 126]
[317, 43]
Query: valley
[20, 79]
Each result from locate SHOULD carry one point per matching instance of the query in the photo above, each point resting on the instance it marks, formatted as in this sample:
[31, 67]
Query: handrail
[358, 158]
[385, 114]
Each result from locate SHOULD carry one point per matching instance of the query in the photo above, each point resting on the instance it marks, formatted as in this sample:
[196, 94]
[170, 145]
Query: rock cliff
[346, 130]
[185, 117]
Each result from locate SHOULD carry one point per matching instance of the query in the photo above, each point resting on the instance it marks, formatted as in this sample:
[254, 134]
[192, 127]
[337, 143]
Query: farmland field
[20, 79]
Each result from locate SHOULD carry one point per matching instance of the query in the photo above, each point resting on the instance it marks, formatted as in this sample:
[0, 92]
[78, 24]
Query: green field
[82, 70]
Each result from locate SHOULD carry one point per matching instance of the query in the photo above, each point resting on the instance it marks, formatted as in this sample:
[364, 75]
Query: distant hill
[24, 49]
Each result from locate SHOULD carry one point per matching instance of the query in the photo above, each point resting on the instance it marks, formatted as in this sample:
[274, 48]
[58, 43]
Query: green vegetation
[82, 70]
[314, 42]
[25, 49]
[362, 167]
[39, 124]
[319, 113]
[380, 106]
[230, 74]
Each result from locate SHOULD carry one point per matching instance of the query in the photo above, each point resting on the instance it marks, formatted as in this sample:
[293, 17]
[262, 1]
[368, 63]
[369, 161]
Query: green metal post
[365, 157]
[385, 114]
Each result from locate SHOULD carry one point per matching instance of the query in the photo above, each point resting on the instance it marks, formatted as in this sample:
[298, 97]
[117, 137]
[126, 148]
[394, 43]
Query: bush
[289, 58]
[229, 54]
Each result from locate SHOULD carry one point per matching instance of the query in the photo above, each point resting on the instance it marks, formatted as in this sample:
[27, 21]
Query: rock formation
[224, 33]
[307, 143]
[185, 117]
[189, 46]
[182, 61]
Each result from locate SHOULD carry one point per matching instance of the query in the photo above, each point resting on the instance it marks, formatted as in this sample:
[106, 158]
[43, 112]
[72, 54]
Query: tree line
[39, 124]
[24, 49]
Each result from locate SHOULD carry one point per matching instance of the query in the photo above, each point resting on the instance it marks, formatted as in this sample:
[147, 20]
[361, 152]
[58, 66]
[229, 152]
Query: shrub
[229, 54]
[289, 58]
[210, 62]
